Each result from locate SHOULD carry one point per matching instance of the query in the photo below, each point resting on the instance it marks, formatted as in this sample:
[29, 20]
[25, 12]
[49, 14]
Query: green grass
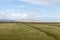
[22, 31]
[52, 31]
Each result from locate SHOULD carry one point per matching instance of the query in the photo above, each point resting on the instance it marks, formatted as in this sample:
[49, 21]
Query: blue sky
[43, 10]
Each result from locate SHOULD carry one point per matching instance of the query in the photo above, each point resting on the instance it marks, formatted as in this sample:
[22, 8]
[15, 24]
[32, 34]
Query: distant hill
[6, 20]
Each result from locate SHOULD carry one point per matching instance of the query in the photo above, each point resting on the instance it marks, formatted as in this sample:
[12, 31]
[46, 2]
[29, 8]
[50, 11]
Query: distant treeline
[33, 22]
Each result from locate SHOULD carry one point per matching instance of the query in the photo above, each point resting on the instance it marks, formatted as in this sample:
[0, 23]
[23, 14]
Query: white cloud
[44, 2]
[2, 14]
[24, 16]
[21, 5]
[12, 15]
[16, 16]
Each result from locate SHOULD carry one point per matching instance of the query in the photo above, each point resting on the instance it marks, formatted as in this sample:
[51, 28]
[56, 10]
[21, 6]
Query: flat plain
[29, 31]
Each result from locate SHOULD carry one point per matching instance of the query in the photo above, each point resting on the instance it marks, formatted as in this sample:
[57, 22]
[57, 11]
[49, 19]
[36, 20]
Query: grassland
[29, 31]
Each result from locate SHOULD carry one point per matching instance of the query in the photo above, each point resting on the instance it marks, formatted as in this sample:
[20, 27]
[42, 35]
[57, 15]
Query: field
[29, 31]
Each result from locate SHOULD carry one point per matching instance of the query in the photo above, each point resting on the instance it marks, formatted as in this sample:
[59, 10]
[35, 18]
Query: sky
[42, 10]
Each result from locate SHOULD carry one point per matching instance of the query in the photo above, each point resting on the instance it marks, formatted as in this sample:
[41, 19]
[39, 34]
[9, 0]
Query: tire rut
[41, 31]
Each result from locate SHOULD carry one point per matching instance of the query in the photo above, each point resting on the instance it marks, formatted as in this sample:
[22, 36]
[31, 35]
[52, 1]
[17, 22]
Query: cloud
[44, 2]
[17, 16]
[21, 5]
[2, 14]
[29, 16]
[12, 15]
